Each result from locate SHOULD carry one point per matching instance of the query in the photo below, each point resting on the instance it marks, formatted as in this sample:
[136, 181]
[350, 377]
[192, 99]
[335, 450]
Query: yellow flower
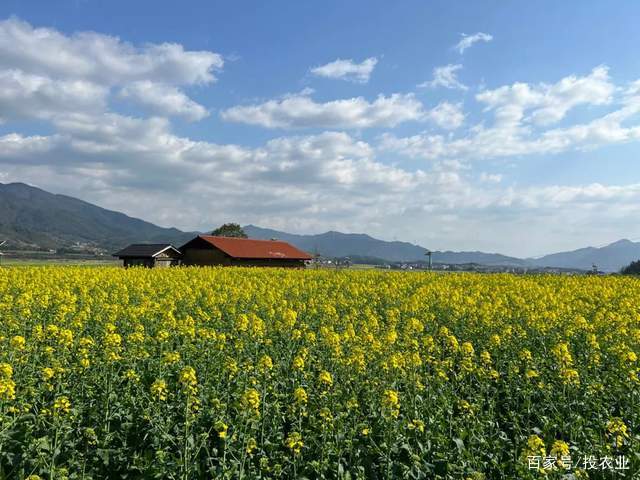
[391, 403]
[266, 363]
[18, 342]
[525, 355]
[62, 405]
[535, 447]
[562, 354]
[251, 445]
[416, 425]
[298, 362]
[465, 407]
[618, 430]
[325, 378]
[221, 428]
[570, 376]
[559, 449]
[250, 401]
[91, 436]
[159, 389]
[294, 442]
[188, 380]
[6, 371]
[162, 336]
[48, 373]
[300, 396]
[170, 358]
[7, 389]
[467, 349]
[325, 414]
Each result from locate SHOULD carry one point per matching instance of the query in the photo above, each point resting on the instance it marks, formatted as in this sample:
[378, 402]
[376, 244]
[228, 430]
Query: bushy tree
[229, 230]
[632, 269]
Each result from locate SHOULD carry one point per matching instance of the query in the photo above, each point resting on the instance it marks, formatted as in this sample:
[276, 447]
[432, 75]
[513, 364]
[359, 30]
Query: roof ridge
[240, 238]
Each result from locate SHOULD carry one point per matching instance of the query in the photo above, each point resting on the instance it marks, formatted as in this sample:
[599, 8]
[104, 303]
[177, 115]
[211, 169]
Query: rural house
[149, 255]
[210, 250]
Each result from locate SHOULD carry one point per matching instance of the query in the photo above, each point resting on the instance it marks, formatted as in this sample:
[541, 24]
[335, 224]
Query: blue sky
[354, 116]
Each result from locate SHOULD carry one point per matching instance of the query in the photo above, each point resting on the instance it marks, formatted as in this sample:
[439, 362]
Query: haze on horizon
[508, 128]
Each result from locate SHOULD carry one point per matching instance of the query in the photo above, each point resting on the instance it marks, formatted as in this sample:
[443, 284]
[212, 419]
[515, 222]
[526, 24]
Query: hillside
[610, 258]
[31, 218]
[336, 244]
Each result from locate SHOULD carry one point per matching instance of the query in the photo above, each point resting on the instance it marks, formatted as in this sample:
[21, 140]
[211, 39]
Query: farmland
[266, 373]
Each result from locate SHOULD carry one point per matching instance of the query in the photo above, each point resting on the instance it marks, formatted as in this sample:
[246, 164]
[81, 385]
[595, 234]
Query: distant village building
[149, 255]
[210, 250]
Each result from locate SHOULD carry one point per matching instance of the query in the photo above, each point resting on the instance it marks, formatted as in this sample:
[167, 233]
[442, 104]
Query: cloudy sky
[495, 126]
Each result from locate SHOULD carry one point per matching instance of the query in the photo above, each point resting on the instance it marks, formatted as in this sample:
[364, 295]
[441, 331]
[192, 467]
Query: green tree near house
[230, 230]
[632, 269]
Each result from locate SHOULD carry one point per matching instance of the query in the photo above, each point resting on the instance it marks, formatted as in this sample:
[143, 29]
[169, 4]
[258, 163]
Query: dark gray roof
[141, 250]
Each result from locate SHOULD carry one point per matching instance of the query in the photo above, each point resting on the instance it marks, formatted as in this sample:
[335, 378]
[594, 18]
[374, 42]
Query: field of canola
[254, 373]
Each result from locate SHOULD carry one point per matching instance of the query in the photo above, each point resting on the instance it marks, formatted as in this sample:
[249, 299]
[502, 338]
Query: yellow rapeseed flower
[325, 378]
[159, 389]
[294, 442]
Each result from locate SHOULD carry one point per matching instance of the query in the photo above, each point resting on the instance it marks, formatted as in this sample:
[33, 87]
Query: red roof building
[210, 250]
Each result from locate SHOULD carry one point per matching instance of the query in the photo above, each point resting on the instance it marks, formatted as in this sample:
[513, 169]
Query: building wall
[164, 260]
[138, 262]
[167, 259]
[204, 256]
[268, 262]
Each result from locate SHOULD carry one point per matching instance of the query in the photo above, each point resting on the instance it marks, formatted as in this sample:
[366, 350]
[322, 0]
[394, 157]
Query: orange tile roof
[250, 248]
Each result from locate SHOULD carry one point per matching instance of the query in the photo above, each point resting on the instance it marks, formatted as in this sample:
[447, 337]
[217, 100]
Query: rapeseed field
[192, 373]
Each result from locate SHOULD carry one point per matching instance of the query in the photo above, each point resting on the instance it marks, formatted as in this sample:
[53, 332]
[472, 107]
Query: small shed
[149, 255]
[211, 250]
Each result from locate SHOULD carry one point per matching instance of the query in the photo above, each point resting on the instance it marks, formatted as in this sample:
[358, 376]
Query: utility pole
[1, 244]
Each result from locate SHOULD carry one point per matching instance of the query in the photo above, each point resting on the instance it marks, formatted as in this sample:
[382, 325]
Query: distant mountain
[33, 218]
[481, 258]
[336, 244]
[610, 258]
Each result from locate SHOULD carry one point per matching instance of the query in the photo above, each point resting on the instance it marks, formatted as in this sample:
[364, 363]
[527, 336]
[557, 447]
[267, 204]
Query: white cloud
[347, 70]
[28, 96]
[300, 111]
[446, 77]
[46, 73]
[468, 40]
[548, 103]
[491, 177]
[446, 115]
[325, 176]
[101, 58]
[521, 111]
[163, 99]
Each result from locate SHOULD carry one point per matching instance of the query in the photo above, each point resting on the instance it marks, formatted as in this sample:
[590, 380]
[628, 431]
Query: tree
[229, 230]
[632, 269]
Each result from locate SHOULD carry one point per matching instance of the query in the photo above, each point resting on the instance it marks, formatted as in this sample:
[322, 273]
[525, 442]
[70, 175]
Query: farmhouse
[210, 250]
[149, 255]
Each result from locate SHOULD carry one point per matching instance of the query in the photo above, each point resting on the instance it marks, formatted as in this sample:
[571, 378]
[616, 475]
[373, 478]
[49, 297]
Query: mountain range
[31, 218]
